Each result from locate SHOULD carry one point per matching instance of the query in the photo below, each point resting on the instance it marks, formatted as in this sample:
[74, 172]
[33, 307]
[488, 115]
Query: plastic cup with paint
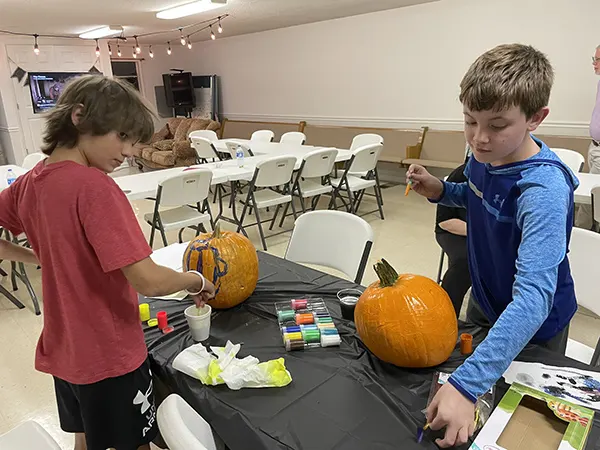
[348, 299]
[198, 320]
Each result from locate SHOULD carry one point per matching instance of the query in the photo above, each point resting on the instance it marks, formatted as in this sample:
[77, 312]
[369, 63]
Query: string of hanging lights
[185, 39]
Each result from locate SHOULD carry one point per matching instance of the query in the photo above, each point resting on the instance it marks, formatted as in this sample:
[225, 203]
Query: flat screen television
[46, 87]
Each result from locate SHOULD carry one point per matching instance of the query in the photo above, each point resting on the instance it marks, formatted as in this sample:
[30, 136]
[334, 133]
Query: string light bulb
[189, 43]
[169, 48]
[150, 52]
[109, 50]
[36, 48]
[138, 50]
[134, 52]
[118, 51]
[182, 39]
[220, 29]
[97, 48]
[212, 34]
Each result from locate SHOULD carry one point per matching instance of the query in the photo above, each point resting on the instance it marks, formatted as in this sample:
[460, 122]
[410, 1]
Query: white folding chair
[262, 136]
[584, 249]
[293, 137]
[205, 150]
[28, 435]
[574, 160]
[233, 146]
[334, 239]
[364, 160]
[596, 208]
[360, 140]
[181, 427]
[178, 192]
[264, 190]
[206, 134]
[31, 160]
[313, 179]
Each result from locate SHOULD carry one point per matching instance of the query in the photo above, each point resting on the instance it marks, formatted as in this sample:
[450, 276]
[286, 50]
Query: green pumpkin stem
[386, 273]
[217, 231]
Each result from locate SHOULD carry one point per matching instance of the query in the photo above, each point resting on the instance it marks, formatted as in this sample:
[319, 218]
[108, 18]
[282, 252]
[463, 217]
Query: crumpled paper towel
[248, 372]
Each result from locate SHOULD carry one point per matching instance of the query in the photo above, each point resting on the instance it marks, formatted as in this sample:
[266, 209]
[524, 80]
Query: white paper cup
[199, 322]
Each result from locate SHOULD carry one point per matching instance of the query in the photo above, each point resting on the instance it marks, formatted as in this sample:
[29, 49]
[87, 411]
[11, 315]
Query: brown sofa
[170, 146]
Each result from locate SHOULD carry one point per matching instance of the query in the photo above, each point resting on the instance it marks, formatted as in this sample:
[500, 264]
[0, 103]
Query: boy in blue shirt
[519, 200]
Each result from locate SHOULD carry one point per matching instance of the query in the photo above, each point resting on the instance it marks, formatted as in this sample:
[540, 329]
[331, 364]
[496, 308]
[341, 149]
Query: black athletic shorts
[114, 413]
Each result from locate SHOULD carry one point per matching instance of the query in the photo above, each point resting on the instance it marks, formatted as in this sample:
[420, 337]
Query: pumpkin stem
[217, 231]
[386, 273]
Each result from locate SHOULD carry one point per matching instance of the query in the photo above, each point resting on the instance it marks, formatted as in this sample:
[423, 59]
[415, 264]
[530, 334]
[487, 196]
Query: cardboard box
[529, 419]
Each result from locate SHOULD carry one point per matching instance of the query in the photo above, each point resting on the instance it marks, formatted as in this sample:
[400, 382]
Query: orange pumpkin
[227, 259]
[406, 320]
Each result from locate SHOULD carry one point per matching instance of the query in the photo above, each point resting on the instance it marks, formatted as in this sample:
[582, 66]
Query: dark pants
[476, 316]
[457, 280]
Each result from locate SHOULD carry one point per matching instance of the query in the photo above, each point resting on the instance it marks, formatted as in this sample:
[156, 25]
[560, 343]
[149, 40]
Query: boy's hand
[454, 411]
[207, 293]
[423, 183]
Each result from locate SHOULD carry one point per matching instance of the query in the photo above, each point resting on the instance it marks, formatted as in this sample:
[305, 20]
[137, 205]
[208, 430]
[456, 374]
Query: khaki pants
[584, 215]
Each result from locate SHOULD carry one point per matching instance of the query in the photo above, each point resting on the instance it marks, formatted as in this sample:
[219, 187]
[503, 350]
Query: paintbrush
[421, 432]
[408, 185]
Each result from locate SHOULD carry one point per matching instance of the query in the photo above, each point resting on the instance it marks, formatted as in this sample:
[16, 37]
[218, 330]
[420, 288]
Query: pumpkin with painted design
[406, 320]
[227, 259]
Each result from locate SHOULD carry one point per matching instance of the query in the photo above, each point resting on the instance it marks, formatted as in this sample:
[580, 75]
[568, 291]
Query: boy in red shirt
[94, 258]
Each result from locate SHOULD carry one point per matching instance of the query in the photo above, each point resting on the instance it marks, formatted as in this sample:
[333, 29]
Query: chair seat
[28, 435]
[580, 352]
[266, 198]
[179, 217]
[312, 187]
[355, 183]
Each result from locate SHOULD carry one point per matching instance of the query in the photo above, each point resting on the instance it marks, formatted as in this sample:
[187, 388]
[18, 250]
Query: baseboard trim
[550, 127]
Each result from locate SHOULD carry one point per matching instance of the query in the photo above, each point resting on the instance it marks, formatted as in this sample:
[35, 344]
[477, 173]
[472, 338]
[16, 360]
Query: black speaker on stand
[179, 92]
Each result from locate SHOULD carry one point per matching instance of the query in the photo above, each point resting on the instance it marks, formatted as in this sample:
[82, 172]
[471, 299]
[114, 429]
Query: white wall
[397, 68]
[21, 129]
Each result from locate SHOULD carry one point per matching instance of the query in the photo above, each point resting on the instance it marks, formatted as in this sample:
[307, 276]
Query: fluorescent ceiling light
[190, 8]
[101, 32]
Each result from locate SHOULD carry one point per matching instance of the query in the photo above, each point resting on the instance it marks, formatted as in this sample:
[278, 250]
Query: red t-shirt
[83, 230]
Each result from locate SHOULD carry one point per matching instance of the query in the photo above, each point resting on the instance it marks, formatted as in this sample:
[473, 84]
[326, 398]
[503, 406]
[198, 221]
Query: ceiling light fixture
[150, 52]
[181, 39]
[169, 49]
[220, 29]
[212, 34]
[36, 48]
[102, 32]
[109, 50]
[118, 51]
[138, 50]
[190, 9]
[97, 48]
[189, 43]
[134, 52]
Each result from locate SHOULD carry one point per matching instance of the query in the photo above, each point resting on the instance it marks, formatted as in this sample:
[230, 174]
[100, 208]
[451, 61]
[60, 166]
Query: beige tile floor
[405, 238]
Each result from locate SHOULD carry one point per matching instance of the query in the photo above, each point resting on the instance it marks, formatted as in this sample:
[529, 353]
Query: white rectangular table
[583, 194]
[277, 148]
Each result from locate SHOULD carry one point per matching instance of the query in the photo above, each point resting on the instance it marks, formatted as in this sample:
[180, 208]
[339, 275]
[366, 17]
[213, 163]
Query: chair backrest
[263, 136]
[275, 171]
[31, 160]
[204, 148]
[571, 158]
[584, 249]
[319, 163]
[233, 146]
[334, 239]
[188, 187]
[206, 134]
[360, 140]
[28, 435]
[596, 203]
[181, 427]
[365, 158]
[293, 137]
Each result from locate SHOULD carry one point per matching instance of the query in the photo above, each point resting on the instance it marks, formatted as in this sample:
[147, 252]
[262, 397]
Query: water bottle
[239, 156]
[10, 177]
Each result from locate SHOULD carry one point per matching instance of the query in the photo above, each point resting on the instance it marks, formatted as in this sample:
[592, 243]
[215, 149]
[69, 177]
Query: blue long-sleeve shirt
[519, 219]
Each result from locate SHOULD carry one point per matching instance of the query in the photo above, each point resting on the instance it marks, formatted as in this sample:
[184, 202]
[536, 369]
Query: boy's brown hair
[108, 105]
[506, 76]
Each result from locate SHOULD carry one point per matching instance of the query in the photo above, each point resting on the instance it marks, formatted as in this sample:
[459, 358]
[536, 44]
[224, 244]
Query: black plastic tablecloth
[340, 398]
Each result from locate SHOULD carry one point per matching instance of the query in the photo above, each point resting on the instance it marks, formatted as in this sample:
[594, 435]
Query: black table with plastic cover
[340, 398]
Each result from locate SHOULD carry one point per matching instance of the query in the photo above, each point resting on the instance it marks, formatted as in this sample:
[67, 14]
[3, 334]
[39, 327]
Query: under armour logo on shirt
[497, 200]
